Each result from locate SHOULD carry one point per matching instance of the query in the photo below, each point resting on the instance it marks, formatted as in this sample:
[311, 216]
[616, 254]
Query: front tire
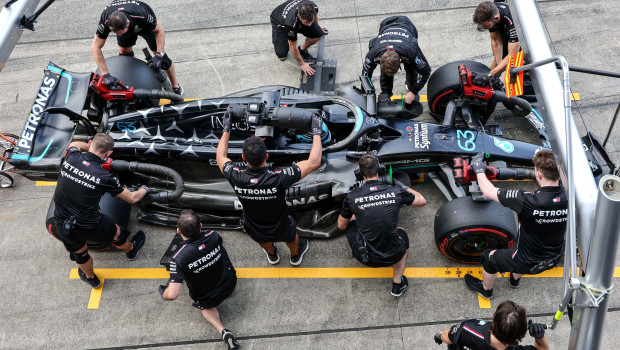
[464, 228]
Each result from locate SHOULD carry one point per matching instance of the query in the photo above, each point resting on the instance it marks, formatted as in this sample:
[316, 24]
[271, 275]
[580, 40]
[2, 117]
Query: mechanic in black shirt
[504, 41]
[81, 184]
[262, 191]
[542, 223]
[202, 262]
[507, 329]
[289, 19]
[397, 43]
[128, 19]
[370, 217]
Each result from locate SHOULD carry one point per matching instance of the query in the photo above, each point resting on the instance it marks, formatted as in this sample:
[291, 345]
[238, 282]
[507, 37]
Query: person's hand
[325, 31]
[317, 124]
[162, 289]
[409, 97]
[307, 69]
[145, 188]
[438, 338]
[227, 121]
[110, 80]
[155, 61]
[478, 165]
[537, 330]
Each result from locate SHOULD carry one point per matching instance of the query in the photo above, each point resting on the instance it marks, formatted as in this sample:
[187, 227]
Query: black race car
[171, 147]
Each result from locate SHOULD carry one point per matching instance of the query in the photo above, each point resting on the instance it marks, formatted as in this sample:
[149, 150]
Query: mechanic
[397, 43]
[542, 222]
[506, 330]
[370, 216]
[202, 261]
[289, 19]
[262, 192]
[128, 19]
[81, 184]
[504, 41]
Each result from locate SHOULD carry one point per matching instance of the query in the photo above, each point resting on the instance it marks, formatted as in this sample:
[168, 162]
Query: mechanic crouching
[397, 43]
[202, 261]
[507, 329]
[81, 184]
[370, 216]
[542, 224]
[262, 191]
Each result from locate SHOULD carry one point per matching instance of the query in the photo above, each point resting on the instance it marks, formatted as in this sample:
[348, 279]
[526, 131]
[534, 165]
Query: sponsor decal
[303, 201]
[407, 161]
[421, 136]
[466, 140]
[420, 63]
[202, 247]
[556, 200]
[254, 181]
[505, 145]
[86, 163]
[34, 118]
[373, 188]
[409, 132]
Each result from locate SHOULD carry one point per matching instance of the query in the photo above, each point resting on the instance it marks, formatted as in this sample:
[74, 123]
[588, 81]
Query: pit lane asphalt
[224, 46]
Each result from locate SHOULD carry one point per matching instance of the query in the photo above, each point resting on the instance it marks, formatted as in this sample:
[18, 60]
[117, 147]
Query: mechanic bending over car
[370, 217]
[542, 223]
[262, 192]
[289, 19]
[397, 43]
[504, 41]
[507, 329]
[202, 261]
[81, 184]
[128, 19]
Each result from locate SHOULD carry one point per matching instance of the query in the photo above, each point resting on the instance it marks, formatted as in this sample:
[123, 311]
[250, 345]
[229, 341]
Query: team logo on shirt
[556, 200]
[202, 247]
[85, 163]
[254, 181]
[373, 188]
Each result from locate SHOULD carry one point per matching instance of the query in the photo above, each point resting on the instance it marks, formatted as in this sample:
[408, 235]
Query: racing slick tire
[464, 228]
[114, 207]
[444, 85]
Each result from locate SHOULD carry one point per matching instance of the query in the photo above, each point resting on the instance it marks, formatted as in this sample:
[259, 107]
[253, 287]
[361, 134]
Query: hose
[516, 105]
[157, 94]
[160, 197]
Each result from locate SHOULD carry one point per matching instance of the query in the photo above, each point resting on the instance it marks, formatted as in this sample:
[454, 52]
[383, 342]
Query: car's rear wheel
[444, 85]
[6, 180]
[464, 228]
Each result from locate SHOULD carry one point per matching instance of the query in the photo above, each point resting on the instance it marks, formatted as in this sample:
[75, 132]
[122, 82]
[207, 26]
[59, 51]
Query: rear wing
[46, 134]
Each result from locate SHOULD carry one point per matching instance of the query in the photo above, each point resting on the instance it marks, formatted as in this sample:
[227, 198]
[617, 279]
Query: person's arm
[160, 37]
[80, 145]
[98, 55]
[541, 344]
[314, 160]
[487, 188]
[445, 338]
[222, 151]
[132, 197]
[497, 47]
[305, 66]
[343, 223]
[501, 66]
[172, 291]
[419, 200]
[420, 64]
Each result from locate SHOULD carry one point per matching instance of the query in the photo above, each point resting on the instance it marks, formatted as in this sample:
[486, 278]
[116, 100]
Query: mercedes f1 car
[171, 147]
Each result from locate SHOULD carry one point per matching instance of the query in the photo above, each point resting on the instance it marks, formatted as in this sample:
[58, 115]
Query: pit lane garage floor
[224, 46]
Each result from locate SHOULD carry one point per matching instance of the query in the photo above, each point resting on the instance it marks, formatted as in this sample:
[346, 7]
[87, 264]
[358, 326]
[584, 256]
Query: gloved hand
[537, 330]
[145, 188]
[438, 338]
[317, 124]
[478, 165]
[110, 80]
[162, 289]
[155, 61]
[227, 121]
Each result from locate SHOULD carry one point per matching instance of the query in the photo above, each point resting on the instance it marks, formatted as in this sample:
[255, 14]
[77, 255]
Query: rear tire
[445, 85]
[464, 228]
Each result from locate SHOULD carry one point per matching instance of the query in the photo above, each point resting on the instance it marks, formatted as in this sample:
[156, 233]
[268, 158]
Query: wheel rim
[470, 243]
[5, 181]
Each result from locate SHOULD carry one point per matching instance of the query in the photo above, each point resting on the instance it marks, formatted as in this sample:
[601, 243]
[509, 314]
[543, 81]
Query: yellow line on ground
[45, 183]
[421, 179]
[575, 96]
[95, 296]
[423, 98]
[483, 303]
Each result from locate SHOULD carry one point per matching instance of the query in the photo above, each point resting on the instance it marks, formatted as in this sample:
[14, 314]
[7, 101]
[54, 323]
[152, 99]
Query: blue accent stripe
[538, 115]
[360, 119]
[35, 159]
[63, 74]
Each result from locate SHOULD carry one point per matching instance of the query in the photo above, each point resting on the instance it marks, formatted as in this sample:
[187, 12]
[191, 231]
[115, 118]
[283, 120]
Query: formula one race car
[171, 147]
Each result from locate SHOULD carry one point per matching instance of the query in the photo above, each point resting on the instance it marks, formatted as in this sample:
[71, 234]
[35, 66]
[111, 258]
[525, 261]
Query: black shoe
[302, 248]
[273, 258]
[138, 242]
[305, 54]
[476, 285]
[399, 288]
[513, 283]
[178, 90]
[230, 340]
[93, 282]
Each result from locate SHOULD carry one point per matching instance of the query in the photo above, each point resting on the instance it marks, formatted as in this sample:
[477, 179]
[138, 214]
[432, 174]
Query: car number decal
[469, 137]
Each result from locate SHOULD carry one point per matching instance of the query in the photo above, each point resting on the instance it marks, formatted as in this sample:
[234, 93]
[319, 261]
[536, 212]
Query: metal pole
[10, 28]
[549, 92]
[587, 332]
